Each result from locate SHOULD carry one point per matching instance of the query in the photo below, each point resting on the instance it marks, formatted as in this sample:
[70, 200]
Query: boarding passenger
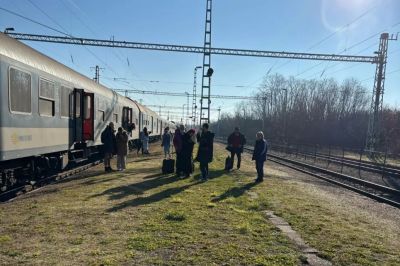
[140, 142]
[122, 148]
[110, 146]
[260, 155]
[166, 143]
[145, 140]
[178, 137]
[205, 151]
[188, 141]
[236, 142]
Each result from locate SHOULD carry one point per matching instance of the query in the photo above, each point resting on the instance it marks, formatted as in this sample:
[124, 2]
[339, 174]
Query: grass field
[140, 217]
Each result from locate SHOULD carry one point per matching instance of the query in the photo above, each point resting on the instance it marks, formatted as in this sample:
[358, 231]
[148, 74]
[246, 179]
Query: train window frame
[9, 90]
[70, 101]
[47, 98]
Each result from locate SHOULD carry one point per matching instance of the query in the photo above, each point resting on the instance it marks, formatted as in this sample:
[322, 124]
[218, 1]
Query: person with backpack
[145, 140]
[178, 138]
[205, 151]
[110, 145]
[140, 143]
[260, 155]
[122, 148]
[166, 143]
[236, 142]
[188, 141]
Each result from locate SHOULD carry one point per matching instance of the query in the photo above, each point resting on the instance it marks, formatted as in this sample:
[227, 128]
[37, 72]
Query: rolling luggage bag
[168, 166]
[228, 163]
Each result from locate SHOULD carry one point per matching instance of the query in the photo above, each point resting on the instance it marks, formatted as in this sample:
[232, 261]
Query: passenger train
[51, 116]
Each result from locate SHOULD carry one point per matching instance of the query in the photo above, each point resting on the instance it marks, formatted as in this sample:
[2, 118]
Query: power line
[33, 21]
[332, 34]
[54, 29]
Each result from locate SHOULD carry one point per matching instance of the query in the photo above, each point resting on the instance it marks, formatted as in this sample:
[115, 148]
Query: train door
[127, 118]
[152, 124]
[88, 116]
[83, 115]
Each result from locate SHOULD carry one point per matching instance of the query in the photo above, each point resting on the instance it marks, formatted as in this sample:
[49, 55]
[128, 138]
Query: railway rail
[370, 189]
[20, 190]
[372, 167]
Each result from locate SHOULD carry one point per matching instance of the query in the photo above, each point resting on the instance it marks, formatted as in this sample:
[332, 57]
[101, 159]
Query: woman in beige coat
[122, 148]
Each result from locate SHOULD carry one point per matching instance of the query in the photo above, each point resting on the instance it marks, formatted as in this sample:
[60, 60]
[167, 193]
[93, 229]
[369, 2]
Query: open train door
[83, 115]
[78, 117]
[88, 116]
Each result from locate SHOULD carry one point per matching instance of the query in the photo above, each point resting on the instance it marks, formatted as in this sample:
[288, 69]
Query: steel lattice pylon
[374, 125]
[205, 100]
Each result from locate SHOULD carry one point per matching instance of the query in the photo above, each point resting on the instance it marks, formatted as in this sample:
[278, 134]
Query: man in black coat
[188, 141]
[236, 142]
[260, 155]
[110, 145]
[206, 149]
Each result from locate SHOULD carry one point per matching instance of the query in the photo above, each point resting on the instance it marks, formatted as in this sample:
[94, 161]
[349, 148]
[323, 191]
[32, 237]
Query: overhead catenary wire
[54, 29]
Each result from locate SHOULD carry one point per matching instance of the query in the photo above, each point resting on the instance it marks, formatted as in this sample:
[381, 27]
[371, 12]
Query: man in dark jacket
[110, 145]
[205, 152]
[188, 141]
[177, 141]
[236, 142]
[260, 155]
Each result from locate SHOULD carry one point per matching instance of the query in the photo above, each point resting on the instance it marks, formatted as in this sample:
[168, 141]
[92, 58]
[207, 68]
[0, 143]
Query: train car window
[115, 118]
[100, 115]
[20, 87]
[65, 102]
[78, 105]
[46, 98]
[87, 106]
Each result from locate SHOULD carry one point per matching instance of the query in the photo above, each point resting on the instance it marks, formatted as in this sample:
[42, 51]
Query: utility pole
[374, 133]
[285, 117]
[194, 103]
[187, 104]
[264, 113]
[183, 113]
[205, 100]
[219, 116]
[97, 73]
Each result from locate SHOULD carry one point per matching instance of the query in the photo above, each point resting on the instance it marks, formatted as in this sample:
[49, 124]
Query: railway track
[372, 167]
[17, 191]
[372, 190]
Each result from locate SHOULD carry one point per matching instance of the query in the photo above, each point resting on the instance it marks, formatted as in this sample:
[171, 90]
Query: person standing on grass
[236, 142]
[145, 140]
[166, 143]
[178, 138]
[110, 145]
[260, 155]
[140, 142]
[188, 141]
[205, 151]
[122, 148]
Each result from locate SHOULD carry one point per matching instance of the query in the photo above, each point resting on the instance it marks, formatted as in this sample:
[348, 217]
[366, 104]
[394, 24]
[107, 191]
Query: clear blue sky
[284, 25]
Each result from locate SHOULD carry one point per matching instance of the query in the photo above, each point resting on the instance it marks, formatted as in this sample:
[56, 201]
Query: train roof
[21, 52]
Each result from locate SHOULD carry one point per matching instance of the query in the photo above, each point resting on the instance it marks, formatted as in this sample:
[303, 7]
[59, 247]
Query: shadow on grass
[139, 188]
[151, 199]
[211, 174]
[234, 192]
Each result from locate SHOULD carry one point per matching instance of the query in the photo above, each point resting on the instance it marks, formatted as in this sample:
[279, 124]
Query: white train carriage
[51, 115]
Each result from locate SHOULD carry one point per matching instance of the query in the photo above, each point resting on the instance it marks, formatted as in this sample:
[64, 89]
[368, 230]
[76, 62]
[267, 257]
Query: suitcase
[228, 163]
[168, 166]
